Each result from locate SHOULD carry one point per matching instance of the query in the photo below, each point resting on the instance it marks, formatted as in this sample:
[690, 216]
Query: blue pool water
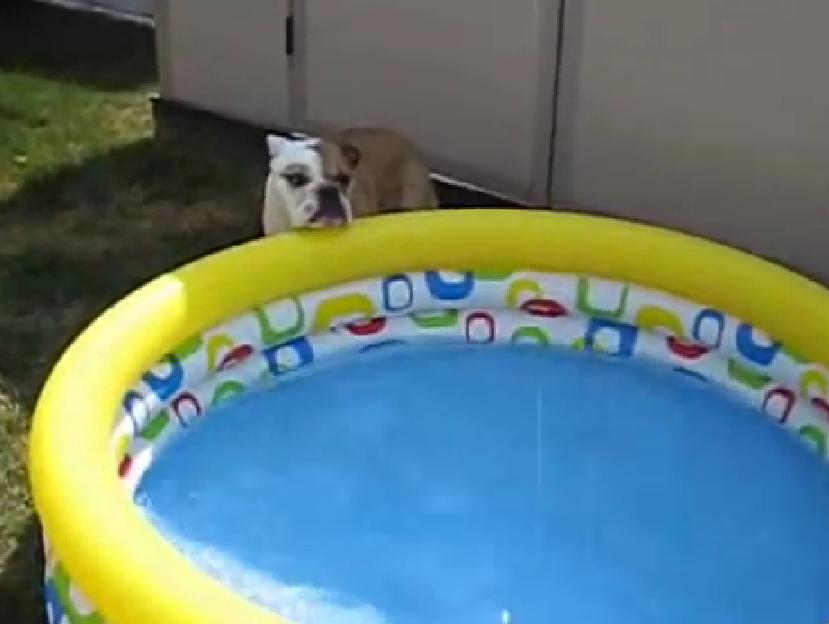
[500, 485]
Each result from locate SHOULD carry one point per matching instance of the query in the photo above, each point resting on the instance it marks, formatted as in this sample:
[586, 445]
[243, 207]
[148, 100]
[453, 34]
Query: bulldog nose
[329, 194]
[331, 205]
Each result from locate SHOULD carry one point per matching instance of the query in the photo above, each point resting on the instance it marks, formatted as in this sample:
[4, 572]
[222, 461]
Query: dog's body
[329, 182]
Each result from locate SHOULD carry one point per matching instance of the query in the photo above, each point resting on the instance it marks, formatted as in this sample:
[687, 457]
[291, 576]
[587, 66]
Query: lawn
[91, 205]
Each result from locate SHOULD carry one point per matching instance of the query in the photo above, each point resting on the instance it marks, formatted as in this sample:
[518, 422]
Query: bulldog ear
[275, 144]
[351, 154]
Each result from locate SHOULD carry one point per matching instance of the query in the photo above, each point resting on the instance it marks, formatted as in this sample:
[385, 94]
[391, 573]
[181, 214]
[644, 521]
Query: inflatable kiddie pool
[205, 334]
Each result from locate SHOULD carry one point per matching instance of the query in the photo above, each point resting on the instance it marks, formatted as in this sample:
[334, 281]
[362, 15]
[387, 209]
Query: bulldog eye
[342, 179]
[296, 180]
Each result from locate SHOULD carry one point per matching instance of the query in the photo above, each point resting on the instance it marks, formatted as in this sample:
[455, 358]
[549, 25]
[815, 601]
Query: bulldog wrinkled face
[313, 178]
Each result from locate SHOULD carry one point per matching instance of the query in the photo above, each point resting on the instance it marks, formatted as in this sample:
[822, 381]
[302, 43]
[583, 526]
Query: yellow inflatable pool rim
[130, 573]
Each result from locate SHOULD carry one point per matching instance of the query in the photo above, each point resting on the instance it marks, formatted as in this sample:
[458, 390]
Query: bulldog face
[312, 179]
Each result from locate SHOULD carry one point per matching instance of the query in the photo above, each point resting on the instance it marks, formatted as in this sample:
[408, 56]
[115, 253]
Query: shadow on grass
[21, 596]
[71, 243]
[71, 46]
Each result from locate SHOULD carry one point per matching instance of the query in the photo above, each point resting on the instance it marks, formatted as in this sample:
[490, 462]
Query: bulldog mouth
[329, 216]
[326, 222]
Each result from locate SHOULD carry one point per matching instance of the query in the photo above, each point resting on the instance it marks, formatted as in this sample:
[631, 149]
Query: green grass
[91, 206]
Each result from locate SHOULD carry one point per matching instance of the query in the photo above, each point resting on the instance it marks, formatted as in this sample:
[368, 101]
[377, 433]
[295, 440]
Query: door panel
[470, 82]
[227, 57]
[709, 116]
